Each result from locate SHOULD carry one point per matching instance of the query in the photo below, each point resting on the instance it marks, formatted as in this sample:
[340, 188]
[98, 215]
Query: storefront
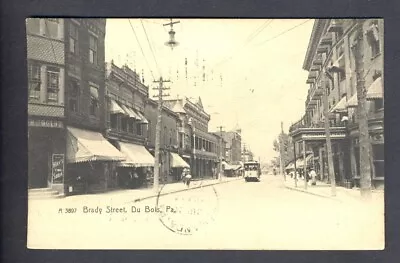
[91, 162]
[177, 166]
[137, 169]
[46, 149]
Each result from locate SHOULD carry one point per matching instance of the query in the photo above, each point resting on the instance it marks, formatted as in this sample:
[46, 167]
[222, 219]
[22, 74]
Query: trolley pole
[160, 96]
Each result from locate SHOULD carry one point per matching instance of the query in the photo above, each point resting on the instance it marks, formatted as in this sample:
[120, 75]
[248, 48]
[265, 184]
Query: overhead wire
[151, 47]
[141, 49]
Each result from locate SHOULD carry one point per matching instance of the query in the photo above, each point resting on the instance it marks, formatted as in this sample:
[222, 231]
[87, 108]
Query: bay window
[53, 83]
[34, 80]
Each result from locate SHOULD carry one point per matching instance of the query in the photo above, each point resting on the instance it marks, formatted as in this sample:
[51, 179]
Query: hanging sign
[57, 164]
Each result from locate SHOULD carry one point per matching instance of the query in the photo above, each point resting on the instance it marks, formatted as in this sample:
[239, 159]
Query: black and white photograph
[206, 134]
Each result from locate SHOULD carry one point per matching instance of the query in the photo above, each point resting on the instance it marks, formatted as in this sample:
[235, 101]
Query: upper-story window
[74, 89]
[53, 82]
[94, 101]
[34, 80]
[93, 50]
[373, 38]
[33, 25]
[73, 38]
[51, 27]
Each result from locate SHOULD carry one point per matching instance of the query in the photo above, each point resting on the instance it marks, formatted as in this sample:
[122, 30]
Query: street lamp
[171, 42]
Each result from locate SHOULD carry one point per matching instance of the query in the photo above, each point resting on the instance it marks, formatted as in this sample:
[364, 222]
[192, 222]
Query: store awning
[130, 112]
[375, 91]
[340, 106]
[227, 166]
[290, 166]
[236, 167]
[300, 162]
[136, 155]
[353, 101]
[115, 108]
[84, 146]
[142, 118]
[178, 162]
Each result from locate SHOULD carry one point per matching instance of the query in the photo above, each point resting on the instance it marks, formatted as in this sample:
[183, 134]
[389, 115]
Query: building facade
[126, 125]
[330, 62]
[46, 103]
[233, 150]
[90, 158]
[168, 140]
[194, 137]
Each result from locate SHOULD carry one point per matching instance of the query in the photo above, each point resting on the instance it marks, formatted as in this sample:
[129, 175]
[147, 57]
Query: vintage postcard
[238, 134]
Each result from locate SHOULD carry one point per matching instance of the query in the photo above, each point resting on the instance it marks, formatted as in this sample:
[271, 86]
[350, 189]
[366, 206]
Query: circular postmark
[187, 211]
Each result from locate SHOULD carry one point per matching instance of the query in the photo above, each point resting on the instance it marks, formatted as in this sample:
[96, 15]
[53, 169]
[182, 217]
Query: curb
[311, 193]
[181, 190]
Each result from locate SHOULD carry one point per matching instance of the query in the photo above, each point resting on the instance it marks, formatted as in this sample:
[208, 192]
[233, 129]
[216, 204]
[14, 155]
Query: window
[93, 49]
[33, 25]
[114, 121]
[124, 124]
[379, 159]
[74, 90]
[373, 39]
[51, 27]
[378, 104]
[170, 137]
[73, 38]
[149, 130]
[34, 80]
[94, 101]
[139, 130]
[53, 83]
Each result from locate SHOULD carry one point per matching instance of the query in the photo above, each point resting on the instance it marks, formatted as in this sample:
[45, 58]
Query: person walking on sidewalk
[188, 178]
[313, 176]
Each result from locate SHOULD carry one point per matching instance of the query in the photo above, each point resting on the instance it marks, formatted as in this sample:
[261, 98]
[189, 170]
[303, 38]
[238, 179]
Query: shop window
[53, 82]
[73, 38]
[74, 90]
[379, 159]
[373, 39]
[114, 121]
[51, 27]
[378, 104]
[33, 25]
[93, 49]
[139, 129]
[34, 80]
[94, 101]
[124, 124]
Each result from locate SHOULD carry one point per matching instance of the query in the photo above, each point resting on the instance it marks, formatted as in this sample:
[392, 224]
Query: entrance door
[38, 162]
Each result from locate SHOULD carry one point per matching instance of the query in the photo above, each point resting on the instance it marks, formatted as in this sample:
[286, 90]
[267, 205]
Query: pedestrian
[183, 176]
[313, 176]
[188, 178]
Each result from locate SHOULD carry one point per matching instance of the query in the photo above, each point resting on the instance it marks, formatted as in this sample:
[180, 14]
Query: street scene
[260, 133]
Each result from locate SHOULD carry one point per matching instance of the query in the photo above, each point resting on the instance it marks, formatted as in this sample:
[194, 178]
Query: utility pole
[160, 96]
[365, 168]
[220, 152]
[281, 153]
[331, 170]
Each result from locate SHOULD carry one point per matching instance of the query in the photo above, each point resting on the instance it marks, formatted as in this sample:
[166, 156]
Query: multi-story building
[126, 126]
[193, 137]
[233, 148]
[46, 102]
[91, 159]
[331, 65]
[170, 161]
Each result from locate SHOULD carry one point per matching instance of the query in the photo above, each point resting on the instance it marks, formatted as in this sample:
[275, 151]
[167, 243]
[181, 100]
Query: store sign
[46, 123]
[57, 164]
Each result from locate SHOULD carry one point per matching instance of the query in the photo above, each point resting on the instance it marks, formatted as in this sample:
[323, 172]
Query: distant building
[233, 151]
[193, 131]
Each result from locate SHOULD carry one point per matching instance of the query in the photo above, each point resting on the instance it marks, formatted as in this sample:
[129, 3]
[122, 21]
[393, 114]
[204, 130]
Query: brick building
[330, 50]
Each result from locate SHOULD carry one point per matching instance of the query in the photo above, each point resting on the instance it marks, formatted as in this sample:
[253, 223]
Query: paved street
[234, 215]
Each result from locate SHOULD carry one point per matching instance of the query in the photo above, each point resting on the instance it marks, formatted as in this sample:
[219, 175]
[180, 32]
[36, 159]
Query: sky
[253, 76]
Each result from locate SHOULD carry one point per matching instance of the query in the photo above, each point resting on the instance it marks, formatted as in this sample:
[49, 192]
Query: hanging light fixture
[171, 42]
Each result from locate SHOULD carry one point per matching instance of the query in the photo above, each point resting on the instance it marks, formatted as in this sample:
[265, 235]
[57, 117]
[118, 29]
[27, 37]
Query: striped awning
[130, 112]
[340, 106]
[142, 118]
[85, 145]
[178, 162]
[353, 101]
[116, 109]
[136, 155]
[375, 91]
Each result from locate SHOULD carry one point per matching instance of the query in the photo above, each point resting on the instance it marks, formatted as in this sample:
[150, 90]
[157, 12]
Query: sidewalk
[137, 195]
[324, 190]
